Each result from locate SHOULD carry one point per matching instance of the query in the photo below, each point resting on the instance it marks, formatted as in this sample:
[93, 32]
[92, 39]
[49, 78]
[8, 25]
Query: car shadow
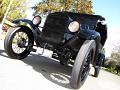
[2, 53]
[50, 69]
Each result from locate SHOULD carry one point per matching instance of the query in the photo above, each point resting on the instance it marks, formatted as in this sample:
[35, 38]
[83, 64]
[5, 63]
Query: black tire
[96, 72]
[80, 71]
[19, 38]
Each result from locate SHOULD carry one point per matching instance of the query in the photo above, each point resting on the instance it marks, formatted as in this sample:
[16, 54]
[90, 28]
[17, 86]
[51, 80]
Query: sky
[110, 9]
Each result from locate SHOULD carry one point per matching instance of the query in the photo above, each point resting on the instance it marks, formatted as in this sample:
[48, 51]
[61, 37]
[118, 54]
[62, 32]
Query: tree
[82, 6]
[17, 9]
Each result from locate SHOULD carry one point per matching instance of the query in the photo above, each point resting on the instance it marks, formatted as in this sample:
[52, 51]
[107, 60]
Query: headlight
[36, 20]
[74, 26]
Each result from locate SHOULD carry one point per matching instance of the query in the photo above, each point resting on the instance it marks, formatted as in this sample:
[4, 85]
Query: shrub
[110, 63]
[117, 68]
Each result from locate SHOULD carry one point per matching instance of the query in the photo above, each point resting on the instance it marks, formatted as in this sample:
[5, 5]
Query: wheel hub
[21, 43]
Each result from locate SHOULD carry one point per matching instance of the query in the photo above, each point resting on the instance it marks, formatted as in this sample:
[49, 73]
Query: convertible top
[81, 15]
[82, 18]
[86, 15]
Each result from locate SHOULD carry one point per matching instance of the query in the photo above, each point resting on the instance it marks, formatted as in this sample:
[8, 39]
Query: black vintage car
[74, 38]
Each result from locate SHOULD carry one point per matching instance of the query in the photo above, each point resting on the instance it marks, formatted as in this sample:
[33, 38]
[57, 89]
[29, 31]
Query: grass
[111, 70]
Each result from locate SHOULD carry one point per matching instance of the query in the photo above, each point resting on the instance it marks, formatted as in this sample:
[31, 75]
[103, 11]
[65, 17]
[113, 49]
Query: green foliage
[17, 9]
[112, 64]
[82, 6]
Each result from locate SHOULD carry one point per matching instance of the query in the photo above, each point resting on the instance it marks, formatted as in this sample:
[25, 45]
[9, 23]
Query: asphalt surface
[40, 73]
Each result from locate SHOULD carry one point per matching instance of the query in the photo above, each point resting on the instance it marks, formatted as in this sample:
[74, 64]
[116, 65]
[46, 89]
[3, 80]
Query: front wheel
[18, 42]
[81, 66]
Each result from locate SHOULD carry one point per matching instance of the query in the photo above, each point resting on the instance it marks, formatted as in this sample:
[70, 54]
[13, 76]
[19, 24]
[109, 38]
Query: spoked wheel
[18, 42]
[86, 66]
[81, 66]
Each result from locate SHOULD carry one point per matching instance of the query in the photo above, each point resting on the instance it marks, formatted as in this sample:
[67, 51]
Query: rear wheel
[99, 63]
[81, 66]
[96, 72]
[18, 42]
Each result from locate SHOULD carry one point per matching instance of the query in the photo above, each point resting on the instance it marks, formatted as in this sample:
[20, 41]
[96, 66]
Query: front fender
[24, 22]
[89, 34]
[92, 35]
[27, 23]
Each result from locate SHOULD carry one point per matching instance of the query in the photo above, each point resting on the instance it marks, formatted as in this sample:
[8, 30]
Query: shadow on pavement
[1, 51]
[50, 69]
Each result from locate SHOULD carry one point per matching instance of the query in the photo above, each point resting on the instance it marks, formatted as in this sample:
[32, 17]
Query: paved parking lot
[41, 73]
